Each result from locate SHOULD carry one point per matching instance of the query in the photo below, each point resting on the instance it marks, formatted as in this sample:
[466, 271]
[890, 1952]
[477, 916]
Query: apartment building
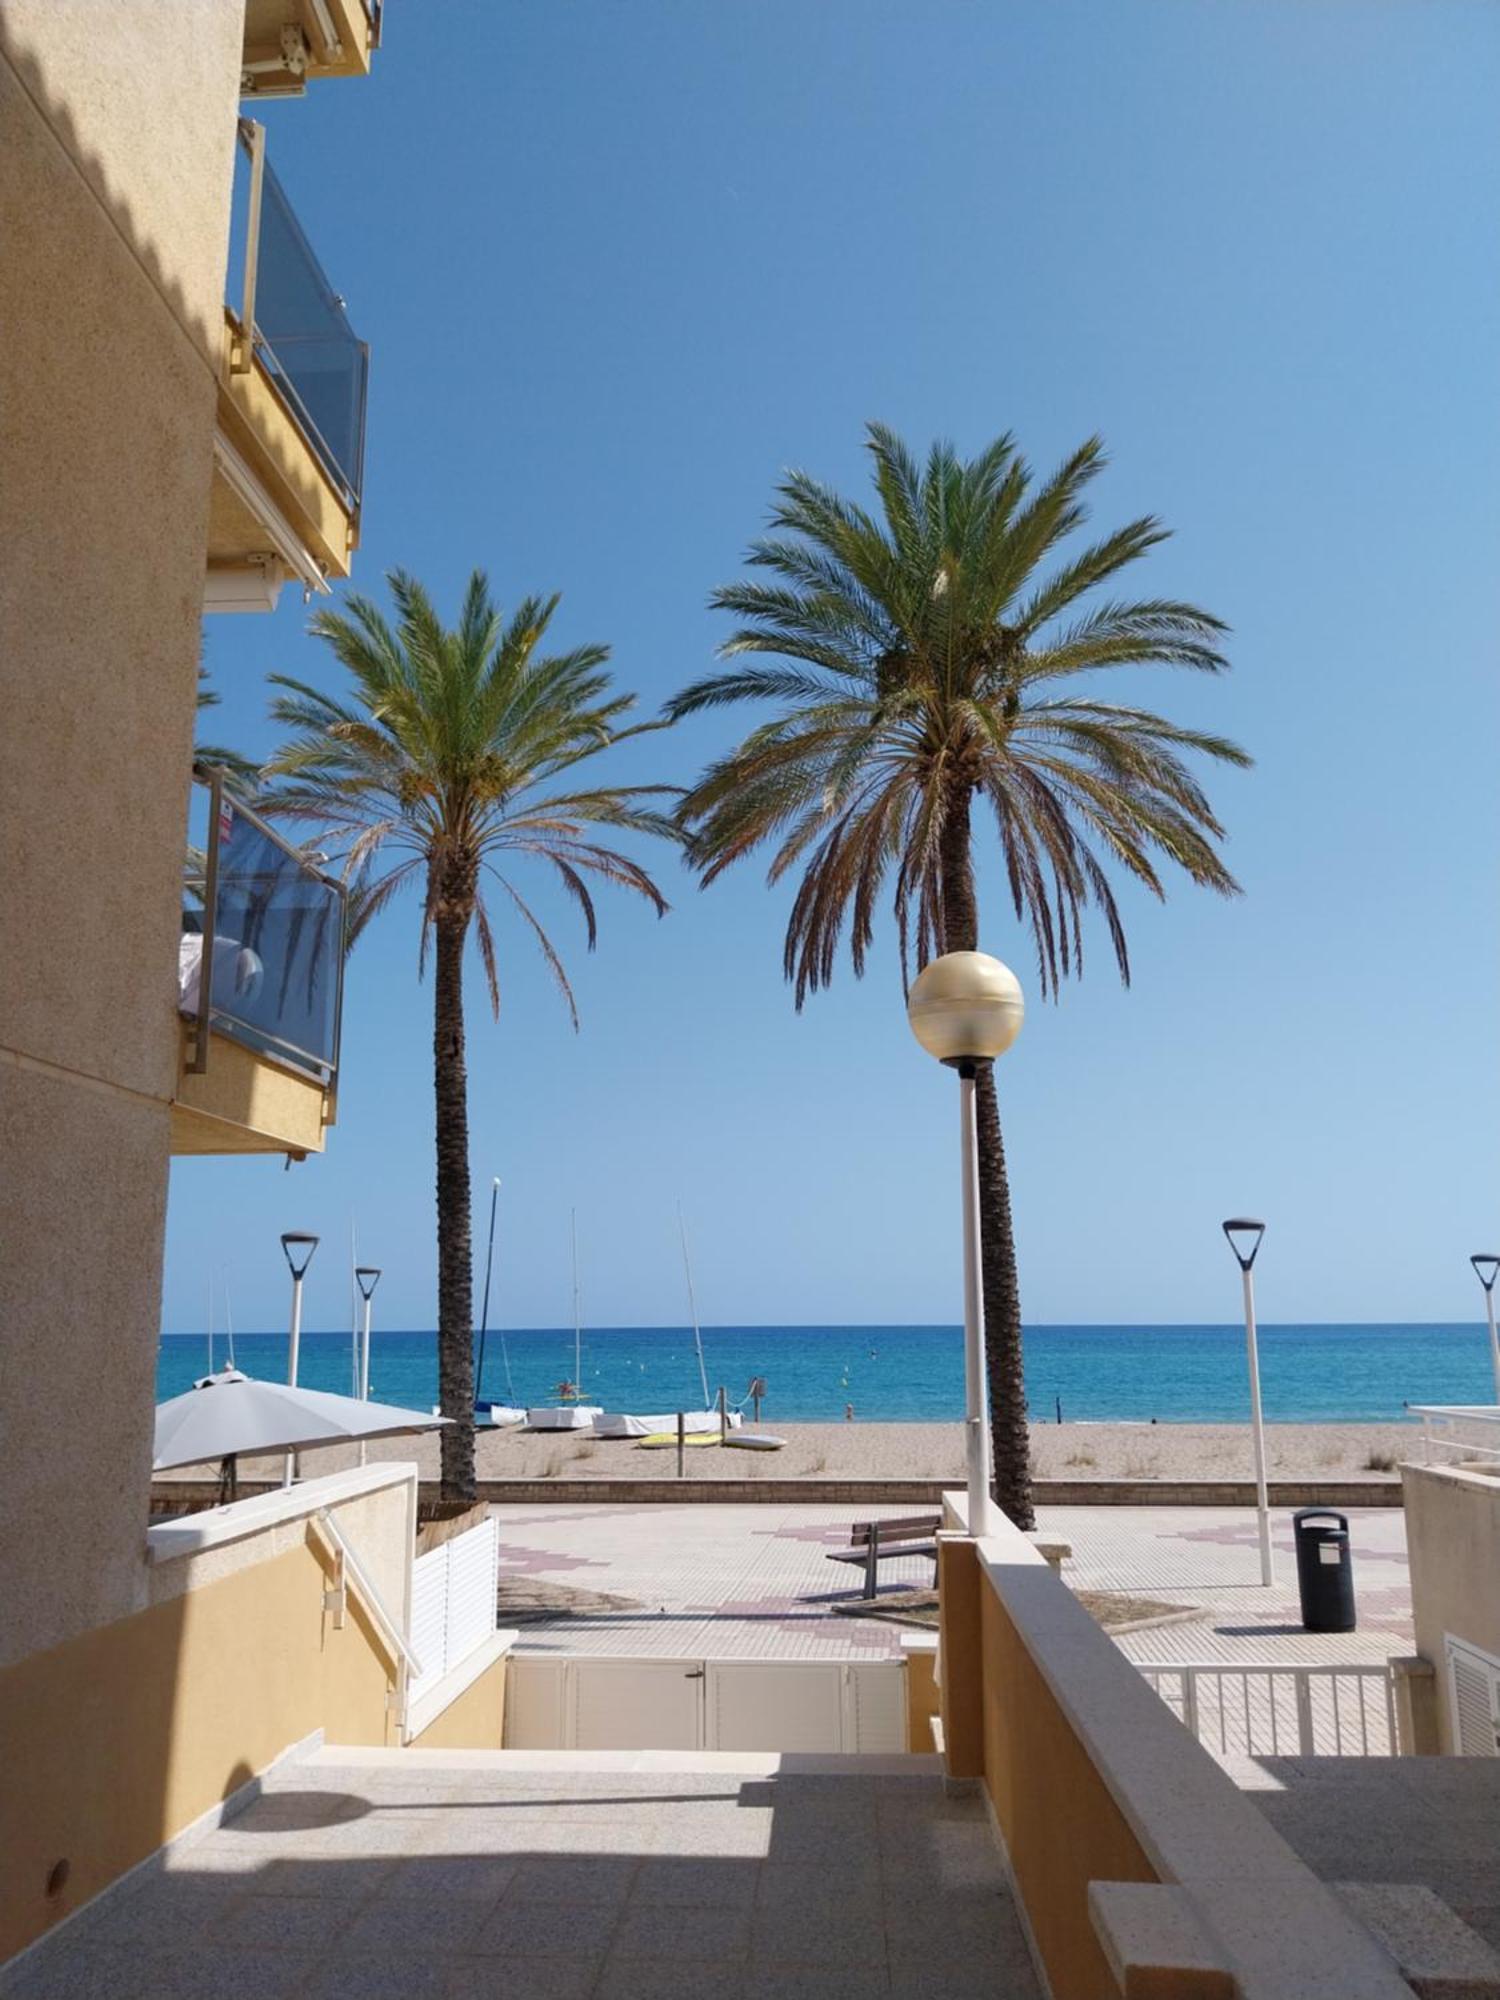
[183, 400]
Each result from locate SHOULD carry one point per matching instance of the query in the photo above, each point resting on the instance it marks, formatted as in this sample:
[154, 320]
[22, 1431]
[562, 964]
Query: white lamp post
[1243, 1236]
[966, 1008]
[367, 1277]
[1485, 1269]
[297, 1247]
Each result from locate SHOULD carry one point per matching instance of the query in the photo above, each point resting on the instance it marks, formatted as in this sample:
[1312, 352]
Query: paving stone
[376, 1978]
[671, 1979]
[570, 1975]
[657, 1930]
[482, 1876]
[573, 1879]
[305, 1923]
[75, 1969]
[401, 1924]
[522, 1931]
[694, 1882]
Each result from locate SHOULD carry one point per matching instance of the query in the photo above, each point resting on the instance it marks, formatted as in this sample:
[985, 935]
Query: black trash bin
[1325, 1575]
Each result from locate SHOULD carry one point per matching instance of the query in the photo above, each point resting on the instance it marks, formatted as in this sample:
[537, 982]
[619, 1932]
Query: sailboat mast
[484, 1310]
[687, 1265]
[577, 1311]
[210, 1320]
[228, 1319]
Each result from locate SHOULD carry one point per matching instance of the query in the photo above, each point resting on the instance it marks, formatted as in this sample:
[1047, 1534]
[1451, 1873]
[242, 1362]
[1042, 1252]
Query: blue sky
[619, 266]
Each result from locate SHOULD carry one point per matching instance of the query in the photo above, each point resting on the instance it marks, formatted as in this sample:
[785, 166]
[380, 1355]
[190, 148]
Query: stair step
[727, 1763]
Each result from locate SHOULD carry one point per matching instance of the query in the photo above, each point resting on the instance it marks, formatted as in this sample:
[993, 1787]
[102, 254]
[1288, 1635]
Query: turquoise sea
[1175, 1374]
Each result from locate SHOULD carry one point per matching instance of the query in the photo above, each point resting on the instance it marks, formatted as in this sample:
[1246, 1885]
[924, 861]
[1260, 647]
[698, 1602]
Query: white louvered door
[1474, 1691]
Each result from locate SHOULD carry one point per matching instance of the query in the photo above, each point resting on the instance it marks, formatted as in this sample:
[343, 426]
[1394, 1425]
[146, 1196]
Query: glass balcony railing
[261, 957]
[293, 322]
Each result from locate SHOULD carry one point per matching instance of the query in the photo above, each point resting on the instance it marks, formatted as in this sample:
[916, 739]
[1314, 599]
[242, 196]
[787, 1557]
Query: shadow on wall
[800, 1884]
[49, 99]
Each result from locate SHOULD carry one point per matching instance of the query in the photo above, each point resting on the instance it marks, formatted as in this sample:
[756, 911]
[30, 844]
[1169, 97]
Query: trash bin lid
[1320, 1514]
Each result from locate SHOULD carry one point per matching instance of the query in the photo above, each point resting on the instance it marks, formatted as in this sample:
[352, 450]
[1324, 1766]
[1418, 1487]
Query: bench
[871, 1542]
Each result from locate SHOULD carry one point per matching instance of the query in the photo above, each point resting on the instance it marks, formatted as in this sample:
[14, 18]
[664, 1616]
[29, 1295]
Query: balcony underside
[272, 507]
[246, 1103]
[330, 37]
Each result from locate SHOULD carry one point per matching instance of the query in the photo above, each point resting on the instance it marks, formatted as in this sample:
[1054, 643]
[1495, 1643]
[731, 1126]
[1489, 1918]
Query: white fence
[1452, 1432]
[601, 1702]
[453, 1591]
[1282, 1711]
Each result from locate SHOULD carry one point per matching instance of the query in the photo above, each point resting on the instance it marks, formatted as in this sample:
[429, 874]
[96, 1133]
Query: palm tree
[451, 761]
[242, 772]
[921, 659]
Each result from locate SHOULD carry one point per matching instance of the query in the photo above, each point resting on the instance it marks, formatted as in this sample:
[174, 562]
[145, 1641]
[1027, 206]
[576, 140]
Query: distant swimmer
[848, 1413]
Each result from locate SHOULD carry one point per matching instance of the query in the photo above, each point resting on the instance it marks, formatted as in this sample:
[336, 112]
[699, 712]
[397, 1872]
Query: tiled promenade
[747, 1582]
[753, 1581]
[539, 1879]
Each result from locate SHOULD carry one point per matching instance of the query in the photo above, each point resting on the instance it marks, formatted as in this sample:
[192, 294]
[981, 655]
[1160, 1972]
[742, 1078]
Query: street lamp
[1243, 1236]
[1486, 1268]
[367, 1277]
[297, 1247]
[966, 1008]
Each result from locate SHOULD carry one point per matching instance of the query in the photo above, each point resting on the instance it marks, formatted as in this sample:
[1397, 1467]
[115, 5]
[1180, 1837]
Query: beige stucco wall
[118, 1739]
[475, 1721]
[1094, 1784]
[116, 129]
[1453, 1543]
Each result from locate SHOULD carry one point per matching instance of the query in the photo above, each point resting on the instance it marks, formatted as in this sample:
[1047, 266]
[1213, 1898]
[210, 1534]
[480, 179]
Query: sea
[901, 1374]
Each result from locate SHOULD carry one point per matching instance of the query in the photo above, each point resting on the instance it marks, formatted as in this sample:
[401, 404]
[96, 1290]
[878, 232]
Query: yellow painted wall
[245, 1103]
[1060, 1824]
[115, 1741]
[1062, 1829]
[476, 1721]
[922, 1701]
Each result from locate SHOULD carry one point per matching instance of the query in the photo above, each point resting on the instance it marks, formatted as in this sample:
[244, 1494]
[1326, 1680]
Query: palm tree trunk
[999, 1286]
[455, 1251]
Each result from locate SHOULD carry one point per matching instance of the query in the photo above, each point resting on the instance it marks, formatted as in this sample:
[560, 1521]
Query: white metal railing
[1263, 1710]
[411, 1665]
[453, 1608]
[1443, 1423]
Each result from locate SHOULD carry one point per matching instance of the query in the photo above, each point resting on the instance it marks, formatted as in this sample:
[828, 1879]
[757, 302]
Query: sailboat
[695, 1423]
[569, 1412]
[486, 1412]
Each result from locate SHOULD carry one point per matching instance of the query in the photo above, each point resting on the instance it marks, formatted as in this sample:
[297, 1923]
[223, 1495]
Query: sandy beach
[918, 1451]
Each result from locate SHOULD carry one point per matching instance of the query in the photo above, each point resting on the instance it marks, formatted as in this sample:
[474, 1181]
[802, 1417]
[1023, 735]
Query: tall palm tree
[244, 774]
[453, 760]
[923, 658]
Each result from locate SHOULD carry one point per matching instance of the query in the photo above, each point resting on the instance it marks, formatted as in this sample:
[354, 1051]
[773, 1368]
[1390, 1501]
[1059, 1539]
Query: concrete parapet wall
[1453, 1542]
[1093, 1781]
[809, 1491]
[115, 1741]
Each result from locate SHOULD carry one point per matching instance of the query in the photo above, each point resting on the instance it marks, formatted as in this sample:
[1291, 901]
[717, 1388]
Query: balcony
[290, 42]
[289, 445]
[260, 986]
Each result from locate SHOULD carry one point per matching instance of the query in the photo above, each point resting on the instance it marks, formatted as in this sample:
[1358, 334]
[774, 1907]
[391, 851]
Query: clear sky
[621, 265]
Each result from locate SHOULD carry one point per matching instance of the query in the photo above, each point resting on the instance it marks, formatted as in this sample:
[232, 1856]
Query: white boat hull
[563, 1417]
[613, 1424]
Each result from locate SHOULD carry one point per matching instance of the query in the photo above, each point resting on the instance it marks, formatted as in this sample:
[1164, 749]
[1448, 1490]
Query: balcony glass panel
[302, 334]
[277, 928]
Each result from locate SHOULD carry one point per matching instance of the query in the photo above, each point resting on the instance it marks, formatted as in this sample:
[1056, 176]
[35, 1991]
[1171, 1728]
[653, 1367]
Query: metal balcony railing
[291, 321]
[261, 958]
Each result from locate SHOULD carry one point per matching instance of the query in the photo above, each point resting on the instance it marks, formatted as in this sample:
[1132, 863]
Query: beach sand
[914, 1451]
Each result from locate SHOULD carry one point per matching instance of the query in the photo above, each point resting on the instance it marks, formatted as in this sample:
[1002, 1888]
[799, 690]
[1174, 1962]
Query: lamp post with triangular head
[1243, 1236]
[297, 1247]
[966, 1008]
[367, 1277]
[1486, 1267]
